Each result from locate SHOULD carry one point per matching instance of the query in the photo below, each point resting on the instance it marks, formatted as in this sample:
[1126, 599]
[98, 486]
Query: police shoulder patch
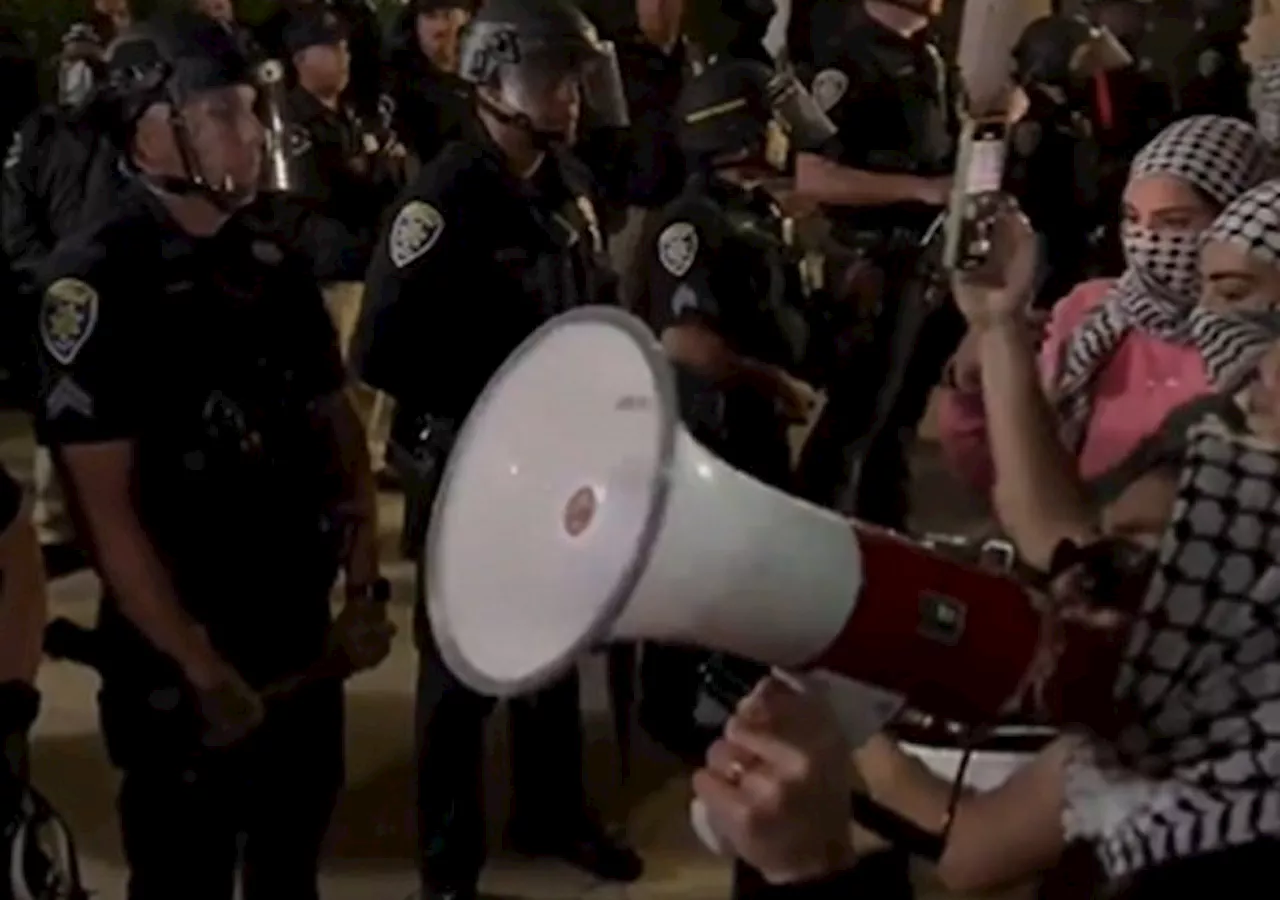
[415, 230]
[68, 315]
[829, 87]
[678, 248]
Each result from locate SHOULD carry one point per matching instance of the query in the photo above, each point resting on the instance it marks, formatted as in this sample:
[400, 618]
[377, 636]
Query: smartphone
[975, 199]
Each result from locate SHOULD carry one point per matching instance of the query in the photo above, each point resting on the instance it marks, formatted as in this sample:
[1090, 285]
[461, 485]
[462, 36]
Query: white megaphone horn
[575, 510]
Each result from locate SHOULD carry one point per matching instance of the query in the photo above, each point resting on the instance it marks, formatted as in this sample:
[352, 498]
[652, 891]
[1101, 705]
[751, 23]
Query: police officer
[345, 168]
[495, 236]
[1053, 164]
[193, 394]
[724, 292]
[432, 104]
[882, 184]
[723, 282]
[364, 38]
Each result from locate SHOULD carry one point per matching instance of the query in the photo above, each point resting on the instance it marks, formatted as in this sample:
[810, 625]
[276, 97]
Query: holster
[418, 450]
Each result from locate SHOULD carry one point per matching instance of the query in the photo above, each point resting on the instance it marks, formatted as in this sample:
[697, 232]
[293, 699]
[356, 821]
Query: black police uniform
[340, 161]
[475, 259]
[893, 100]
[720, 258]
[364, 39]
[61, 172]
[209, 355]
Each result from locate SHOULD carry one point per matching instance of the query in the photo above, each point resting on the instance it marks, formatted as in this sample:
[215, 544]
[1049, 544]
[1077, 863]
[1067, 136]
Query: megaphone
[575, 509]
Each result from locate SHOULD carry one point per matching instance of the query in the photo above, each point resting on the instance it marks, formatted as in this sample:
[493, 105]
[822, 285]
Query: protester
[1117, 356]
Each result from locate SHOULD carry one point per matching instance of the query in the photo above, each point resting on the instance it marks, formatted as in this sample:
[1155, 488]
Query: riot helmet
[1065, 50]
[537, 64]
[192, 69]
[739, 110]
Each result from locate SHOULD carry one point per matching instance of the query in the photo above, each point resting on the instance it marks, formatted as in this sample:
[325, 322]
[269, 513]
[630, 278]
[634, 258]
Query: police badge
[415, 230]
[68, 316]
[678, 248]
[829, 87]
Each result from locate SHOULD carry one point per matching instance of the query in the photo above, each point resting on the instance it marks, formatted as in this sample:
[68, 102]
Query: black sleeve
[681, 263]
[91, 356]
[842, 93]
[423, 331]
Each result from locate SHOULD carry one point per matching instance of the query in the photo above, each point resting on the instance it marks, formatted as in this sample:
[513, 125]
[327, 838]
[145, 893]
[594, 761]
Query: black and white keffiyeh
[1252, 223]
[1223, 158]
[1199, 770]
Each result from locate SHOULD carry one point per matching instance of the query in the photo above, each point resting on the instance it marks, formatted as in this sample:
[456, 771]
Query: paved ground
[371, 845]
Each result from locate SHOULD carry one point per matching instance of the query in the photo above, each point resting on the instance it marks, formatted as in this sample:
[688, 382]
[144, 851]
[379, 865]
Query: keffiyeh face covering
[1199, 770]
[1221, 157]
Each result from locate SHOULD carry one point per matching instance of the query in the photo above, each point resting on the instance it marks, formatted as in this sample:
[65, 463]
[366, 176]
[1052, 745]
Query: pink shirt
[1142, 382]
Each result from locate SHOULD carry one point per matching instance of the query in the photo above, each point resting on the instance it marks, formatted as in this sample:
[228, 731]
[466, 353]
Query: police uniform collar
[548, 181]
[175, 241]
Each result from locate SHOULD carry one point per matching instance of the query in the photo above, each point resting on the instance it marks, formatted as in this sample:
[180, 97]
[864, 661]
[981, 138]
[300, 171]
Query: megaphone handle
[897, 830]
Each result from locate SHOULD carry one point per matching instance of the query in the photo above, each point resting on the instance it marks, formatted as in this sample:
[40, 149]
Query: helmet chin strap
[193, 183]
[543, 140]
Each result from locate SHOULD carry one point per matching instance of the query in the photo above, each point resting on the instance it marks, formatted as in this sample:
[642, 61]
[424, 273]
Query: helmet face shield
[278, 170]
[602, 90]
[553, 88]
